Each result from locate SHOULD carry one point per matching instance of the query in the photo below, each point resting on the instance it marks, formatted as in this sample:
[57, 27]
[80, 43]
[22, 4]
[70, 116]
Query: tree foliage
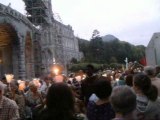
[98, 51]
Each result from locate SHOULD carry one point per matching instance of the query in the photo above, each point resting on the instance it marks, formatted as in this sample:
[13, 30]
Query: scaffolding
[36, 11]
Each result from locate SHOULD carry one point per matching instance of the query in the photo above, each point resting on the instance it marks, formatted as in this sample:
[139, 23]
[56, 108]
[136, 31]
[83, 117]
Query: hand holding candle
[56, 69]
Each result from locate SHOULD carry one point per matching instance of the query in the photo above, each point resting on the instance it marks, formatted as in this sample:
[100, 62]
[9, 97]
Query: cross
[126, 61]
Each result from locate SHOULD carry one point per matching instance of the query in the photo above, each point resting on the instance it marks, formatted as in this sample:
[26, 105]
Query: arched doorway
[8, 43]
[28, 56]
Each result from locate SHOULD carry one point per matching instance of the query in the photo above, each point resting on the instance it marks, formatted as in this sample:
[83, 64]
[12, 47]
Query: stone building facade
[29, 44]
[153, 50]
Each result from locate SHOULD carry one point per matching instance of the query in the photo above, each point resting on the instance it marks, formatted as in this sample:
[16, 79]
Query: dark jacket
[44, 114]
[87, 88]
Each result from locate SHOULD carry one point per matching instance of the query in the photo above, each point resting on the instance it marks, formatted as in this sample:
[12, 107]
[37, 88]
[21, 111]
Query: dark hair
[143, 82]
[157, 69]
[129, 80]
[46, 78]
[60, 102]
[90, 70]
[102, 88]
[123, 100]
[90, 67]
[149, 70]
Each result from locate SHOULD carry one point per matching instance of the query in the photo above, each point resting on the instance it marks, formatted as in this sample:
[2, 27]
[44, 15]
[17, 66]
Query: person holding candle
[8, 107]
[18, 97]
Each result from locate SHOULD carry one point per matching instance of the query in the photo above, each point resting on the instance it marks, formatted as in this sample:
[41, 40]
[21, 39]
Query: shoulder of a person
[43, 114]
[154, 104]
[155, 79]
[75, 118]
[158, 100]
[10, 103]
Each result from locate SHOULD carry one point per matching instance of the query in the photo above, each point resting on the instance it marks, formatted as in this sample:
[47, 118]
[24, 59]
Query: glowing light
[117, 79]
[78, 78]
[18, 81]
[104, 75]
[21, 85]
[83, 77]
[9, 77]
[56, 71]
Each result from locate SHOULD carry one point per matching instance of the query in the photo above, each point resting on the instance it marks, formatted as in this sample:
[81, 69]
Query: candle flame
[56, 71]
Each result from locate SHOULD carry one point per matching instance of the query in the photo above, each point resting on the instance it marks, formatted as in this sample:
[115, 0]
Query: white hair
[123, 99]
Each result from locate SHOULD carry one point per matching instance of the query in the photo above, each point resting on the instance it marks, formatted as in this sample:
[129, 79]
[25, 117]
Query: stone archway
[28, 56]
[8, 46]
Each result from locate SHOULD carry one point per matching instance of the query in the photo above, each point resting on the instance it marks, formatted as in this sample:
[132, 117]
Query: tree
[97, 49]
[95, 34]
[113, 60]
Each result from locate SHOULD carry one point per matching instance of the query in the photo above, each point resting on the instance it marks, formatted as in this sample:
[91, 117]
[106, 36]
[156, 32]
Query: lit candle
[55, 71]
[84, 77]
[19, 81]
[9, 77]
[78, 78]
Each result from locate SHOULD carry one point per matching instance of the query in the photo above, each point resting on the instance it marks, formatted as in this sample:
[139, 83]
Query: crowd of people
[86, 95]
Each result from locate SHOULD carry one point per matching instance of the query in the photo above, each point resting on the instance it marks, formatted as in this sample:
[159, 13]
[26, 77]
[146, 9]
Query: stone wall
[20, 25]
[33, 54]
[153, 50]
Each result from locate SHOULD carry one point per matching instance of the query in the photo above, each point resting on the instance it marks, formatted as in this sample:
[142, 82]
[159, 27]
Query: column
[21, 59]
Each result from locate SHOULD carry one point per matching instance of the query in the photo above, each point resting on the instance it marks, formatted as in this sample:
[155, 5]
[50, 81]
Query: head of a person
[47, 80]
[157, 70]
[129, 80]
[150, 71]
[123, 100]
[90, 70]
[33, 88]
[27, 82]
[14, 86]
[4, 80]
[2, 87]
[142, 84]
[102, 88]
[60, 99]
